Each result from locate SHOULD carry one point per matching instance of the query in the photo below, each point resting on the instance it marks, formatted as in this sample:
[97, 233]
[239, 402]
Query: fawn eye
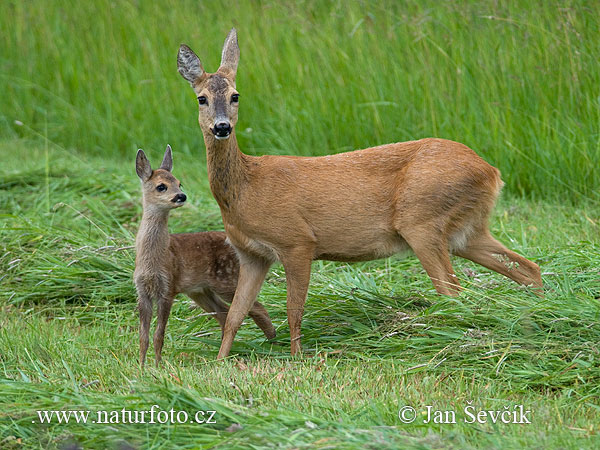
[202, 100]
[235, 98]
[161, 188]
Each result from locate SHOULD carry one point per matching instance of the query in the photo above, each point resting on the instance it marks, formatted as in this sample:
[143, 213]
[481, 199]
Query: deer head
[160, 189]
[217, 97]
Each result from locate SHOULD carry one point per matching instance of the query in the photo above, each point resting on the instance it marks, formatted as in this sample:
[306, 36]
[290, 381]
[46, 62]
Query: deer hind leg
[145, 310]
[163, 310]
[212, 303]
[297, 273]
[252, 274]
[434, 255]
[259, 314]
[485, 250]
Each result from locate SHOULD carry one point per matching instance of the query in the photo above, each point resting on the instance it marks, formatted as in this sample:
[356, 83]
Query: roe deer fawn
[201, 265]
[433, 196]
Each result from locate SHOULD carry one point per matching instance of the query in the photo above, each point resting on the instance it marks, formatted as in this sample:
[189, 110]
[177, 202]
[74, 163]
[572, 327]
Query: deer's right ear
[230, 56]
[167, 162]
[188, 64]
[142, 166]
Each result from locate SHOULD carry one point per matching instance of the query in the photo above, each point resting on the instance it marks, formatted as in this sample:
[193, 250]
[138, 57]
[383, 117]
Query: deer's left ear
[142, 166]
[167, 162]
[231, 54]
[189, 65]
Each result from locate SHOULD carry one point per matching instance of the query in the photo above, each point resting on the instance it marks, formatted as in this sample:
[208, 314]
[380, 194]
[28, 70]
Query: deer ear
[167, 162]
[189, 65]
[230, 57]
[142, 166]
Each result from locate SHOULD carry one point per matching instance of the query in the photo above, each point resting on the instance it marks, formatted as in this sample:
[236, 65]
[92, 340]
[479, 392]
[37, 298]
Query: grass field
[85, 84]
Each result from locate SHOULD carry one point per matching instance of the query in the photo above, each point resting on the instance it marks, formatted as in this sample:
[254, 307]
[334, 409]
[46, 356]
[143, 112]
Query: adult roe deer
[201, 265]
[433, 196]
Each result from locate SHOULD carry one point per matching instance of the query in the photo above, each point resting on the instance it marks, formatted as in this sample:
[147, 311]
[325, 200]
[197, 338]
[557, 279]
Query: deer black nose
[222, 129]
[179, 198]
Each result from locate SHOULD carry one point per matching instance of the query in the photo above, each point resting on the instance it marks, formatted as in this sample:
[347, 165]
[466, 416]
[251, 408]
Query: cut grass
[375, 334]
[85, 84]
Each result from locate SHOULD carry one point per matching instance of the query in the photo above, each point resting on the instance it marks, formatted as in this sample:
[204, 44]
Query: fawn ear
[142, 166]
[167, 162]
[230, 57]
[188, 64]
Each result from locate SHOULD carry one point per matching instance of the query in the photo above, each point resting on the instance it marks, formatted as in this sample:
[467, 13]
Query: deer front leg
[145, 309]
[163, 311]
[297, 274]
[252, 274]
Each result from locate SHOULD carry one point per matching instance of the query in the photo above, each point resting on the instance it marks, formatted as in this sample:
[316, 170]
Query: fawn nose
[179, 198]
[222, 129]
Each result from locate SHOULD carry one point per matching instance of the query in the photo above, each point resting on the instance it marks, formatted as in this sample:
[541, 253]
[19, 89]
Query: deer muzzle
[179, 199]
[222, 130]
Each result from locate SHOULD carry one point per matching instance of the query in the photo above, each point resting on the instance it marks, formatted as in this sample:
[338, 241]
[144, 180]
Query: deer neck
[152, 240]
[227, 169]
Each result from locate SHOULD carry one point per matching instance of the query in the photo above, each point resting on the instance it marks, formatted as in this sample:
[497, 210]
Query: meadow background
[85, 84]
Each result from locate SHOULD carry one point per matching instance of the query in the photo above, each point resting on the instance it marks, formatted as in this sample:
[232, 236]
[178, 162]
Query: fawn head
[160, 188]
[217, 97]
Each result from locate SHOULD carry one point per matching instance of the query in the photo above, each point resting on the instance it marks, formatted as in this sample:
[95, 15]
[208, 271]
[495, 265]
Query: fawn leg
[145, 309]
[258, 313]
[220, 309]
[297, 273]
[434, 256]
[261, 317]
[210, 302]
[163, 312]
[252, 274]
[487, 251]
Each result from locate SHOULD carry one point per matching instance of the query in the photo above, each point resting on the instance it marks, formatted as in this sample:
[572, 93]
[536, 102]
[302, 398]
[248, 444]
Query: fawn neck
[227, 169]
[152, 241]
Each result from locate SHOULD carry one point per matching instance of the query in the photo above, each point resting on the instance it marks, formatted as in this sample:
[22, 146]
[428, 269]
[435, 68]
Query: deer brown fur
[433, 196]
[201, 265]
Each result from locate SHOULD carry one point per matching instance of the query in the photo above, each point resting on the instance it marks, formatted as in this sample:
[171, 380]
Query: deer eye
[235, 98]
[161, 188]
[202, 100]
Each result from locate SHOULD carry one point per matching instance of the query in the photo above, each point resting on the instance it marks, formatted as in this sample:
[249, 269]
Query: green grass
[87, 83]
[516, 81]
[376, 335]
